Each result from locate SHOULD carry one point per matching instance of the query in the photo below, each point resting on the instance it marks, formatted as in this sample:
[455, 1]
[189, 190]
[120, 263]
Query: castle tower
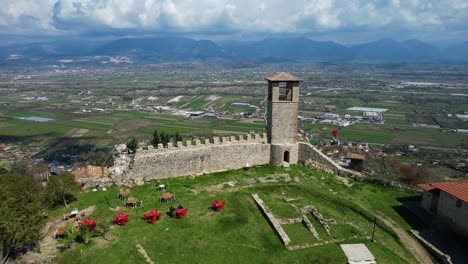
[283, 109]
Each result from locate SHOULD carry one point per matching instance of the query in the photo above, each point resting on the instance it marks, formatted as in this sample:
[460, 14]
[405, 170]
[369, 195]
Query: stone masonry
[220, 154]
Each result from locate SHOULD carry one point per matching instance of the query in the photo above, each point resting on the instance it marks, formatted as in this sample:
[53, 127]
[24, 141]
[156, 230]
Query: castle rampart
[278, 146]
[218, 154]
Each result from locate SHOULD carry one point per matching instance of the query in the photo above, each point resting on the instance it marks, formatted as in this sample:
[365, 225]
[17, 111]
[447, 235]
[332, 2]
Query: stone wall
[456, 217]
[309, 152]
[283, 122]
[277, 153]
[219, 154]
[272, 220]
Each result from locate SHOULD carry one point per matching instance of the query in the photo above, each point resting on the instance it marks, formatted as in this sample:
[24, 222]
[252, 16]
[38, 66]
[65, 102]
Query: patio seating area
[152, 217]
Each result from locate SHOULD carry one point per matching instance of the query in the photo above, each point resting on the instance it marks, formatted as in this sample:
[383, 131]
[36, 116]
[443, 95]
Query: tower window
[285, 91]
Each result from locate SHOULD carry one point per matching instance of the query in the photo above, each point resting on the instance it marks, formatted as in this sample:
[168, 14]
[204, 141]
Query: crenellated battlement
[215, 141]
[201, 156]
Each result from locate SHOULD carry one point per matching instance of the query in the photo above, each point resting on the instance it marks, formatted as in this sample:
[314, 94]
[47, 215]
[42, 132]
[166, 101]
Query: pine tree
[156, 138]
[177, 137]
[165, 138]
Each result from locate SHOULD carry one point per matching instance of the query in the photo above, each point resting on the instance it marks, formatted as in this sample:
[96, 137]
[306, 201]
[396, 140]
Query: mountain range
[166, 49]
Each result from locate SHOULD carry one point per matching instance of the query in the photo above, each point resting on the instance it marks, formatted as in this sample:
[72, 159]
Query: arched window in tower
[285, 91]
[286, 156]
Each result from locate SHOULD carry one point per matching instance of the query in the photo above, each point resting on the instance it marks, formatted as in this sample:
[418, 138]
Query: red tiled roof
[456, 188]
[353, 155]
[283, 77]
[426, 186]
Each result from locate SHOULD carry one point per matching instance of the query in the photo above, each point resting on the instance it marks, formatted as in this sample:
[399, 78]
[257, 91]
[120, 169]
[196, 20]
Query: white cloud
[298, 16]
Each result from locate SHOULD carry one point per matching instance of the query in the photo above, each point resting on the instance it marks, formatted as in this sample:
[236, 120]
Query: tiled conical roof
[283, 77]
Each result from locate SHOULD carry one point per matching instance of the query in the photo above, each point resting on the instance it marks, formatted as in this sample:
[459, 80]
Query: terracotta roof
[283, 77]
[456, 188]
[352, 155]
[426, 186]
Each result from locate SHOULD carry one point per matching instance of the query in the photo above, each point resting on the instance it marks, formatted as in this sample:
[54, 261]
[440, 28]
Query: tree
[21, 167]
[165, 138]
[22, 212]
[156, 138]
[101, 159]
[132, 145]
[411, 174]
[385, 168]
[37, 169]
[61, 189]
[177, 137]
[3, 170]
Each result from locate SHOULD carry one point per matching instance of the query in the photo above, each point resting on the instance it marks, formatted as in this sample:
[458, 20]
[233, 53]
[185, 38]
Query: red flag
[335, 134]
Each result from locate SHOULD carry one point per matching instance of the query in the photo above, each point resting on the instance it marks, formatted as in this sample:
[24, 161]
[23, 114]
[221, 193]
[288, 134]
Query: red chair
[91, 224]
[121, 219]
[217, 206]
[181, 213]
[152, 217]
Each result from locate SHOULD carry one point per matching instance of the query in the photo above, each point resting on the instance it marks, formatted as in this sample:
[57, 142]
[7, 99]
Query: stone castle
[279, 146]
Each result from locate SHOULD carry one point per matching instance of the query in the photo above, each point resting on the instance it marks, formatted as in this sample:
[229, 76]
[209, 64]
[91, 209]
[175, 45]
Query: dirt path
[412, 244]
[143, 252]
[49, 246]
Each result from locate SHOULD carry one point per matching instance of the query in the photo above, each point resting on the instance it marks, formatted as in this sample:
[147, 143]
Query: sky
[343, 21]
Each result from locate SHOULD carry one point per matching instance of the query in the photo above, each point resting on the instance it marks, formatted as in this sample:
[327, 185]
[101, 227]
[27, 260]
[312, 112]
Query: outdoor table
[124, 194]
[167, 197]
[132, 202]
[60, 232]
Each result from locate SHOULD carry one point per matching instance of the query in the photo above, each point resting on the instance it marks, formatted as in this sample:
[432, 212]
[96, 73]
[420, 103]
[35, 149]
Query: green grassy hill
[240, 233]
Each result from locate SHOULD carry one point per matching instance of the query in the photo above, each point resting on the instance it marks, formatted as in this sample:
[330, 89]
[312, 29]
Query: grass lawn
[388, 133]
[240, 233]
[397, 121]
[197, 103]
[35, 129]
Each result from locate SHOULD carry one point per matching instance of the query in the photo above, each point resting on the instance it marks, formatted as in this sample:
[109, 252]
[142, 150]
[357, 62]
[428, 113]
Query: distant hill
[388, 50]
[169, 48]
[269, 50]
[56, 48]
[298, 49]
